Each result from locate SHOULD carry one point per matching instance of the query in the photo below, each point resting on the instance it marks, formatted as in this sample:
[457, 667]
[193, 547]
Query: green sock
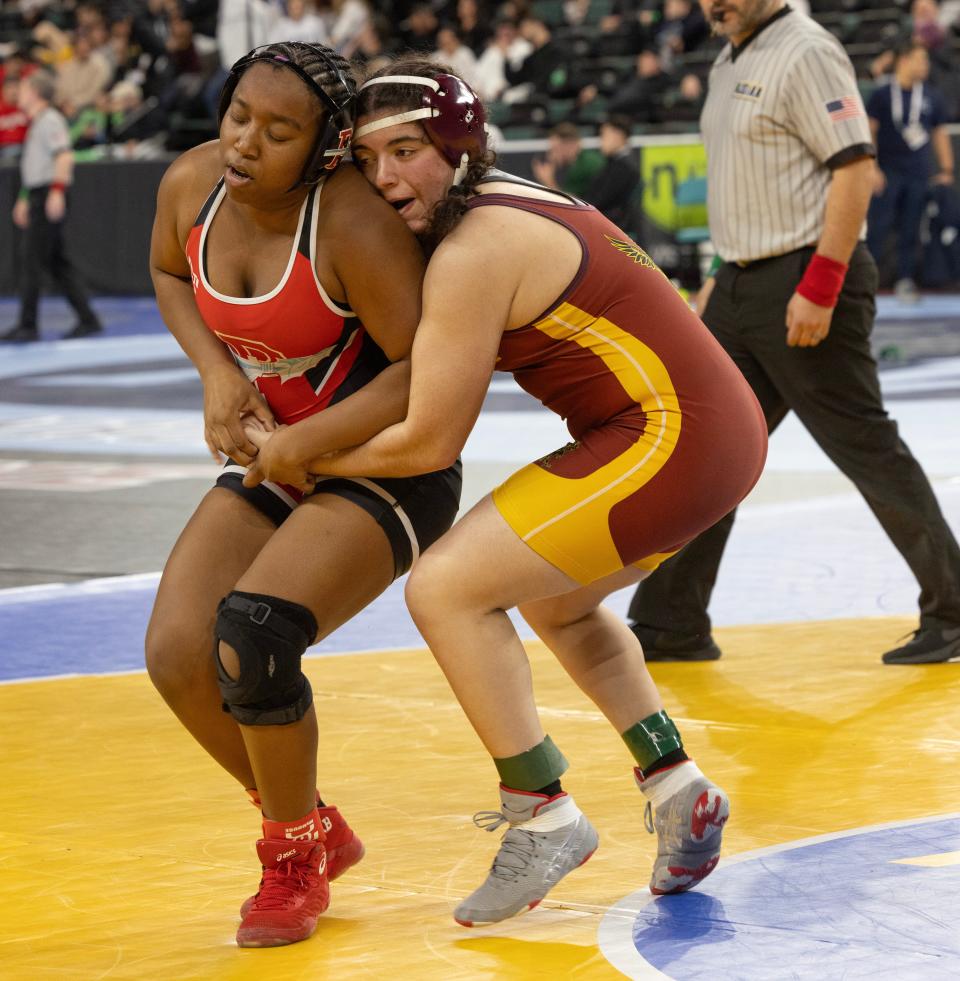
[652, 738]
[533, 769]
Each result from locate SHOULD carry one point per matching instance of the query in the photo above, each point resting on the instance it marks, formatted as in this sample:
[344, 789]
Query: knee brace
[269, 635]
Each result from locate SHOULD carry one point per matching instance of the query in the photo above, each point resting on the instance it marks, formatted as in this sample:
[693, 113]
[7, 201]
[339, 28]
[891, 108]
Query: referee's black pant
[43, 249]
[835, 392]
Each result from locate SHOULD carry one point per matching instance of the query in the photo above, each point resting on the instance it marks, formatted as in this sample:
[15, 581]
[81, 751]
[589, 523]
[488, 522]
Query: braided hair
[446, 213]
[328, 76]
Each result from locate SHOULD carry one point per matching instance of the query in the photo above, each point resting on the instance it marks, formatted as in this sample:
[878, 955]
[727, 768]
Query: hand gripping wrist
[822, 281]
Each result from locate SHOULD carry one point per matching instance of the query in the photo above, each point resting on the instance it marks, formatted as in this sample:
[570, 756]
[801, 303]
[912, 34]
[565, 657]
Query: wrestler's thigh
[330, 555]
[218, 544]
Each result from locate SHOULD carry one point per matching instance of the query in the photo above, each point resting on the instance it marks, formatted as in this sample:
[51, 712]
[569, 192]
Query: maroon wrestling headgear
[450, 112]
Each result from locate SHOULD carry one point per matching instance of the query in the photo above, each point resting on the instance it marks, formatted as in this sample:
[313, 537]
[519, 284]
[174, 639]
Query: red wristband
[58, 186]
[822, 281]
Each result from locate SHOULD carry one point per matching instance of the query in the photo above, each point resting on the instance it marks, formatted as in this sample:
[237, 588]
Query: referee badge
[751, 91]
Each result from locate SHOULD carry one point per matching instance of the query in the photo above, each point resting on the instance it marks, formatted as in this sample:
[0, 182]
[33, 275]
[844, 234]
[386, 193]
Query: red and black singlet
[302, 350]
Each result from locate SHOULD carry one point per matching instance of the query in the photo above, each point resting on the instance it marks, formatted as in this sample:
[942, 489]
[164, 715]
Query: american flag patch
[848, 107]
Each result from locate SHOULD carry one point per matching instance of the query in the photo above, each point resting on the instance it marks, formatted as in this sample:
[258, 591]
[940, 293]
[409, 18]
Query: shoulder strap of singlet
[208, 204]
[308, 231]
[502, 177]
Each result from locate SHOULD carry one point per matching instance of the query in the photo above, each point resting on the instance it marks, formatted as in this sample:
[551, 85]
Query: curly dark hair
[329, 78]
[448, 212]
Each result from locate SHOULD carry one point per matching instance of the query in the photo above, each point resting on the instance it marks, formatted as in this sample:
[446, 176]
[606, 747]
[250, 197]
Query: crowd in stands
[140, 77]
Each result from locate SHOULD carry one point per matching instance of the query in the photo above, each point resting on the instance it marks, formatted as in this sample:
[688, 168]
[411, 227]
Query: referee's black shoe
[83, 330]
[670, 645]
[20, 335]
[928, 645]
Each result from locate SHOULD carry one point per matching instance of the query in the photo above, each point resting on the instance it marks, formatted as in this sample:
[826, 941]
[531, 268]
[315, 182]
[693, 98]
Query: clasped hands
[277, 459]
[238, 424]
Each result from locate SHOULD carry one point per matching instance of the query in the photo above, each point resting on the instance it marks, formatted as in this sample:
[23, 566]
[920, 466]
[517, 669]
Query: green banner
[662, 168]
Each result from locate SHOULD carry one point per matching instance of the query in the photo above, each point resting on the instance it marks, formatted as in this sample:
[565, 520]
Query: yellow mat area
[126, 853]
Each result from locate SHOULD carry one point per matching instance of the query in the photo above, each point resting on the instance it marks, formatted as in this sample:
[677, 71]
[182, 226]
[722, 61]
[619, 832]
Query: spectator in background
[685, 103]
[372, 47]
[506, 49]
[53, 47]
[451, 51]
[13, 120]
[567, 166]
[613, 188]
[908, 124]
[132, 123]
[129, 61]
[515, 10]
[682, 29]
[628, 26]
[300, 22]
[538, 73]
[348, 18]
[17, 64]
[87, 124]
[473, 25]
[46, 172]
[925, 24]
[85, 76]
[641, 97]
[419, 31]
[928, 28]
[575, 11]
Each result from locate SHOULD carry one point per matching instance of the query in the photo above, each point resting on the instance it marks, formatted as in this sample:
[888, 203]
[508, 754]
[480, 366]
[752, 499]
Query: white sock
[674, 780]
[558, 817]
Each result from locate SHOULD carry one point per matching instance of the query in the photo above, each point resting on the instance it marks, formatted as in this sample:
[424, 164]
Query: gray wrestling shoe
[688, 823]
[538, 850]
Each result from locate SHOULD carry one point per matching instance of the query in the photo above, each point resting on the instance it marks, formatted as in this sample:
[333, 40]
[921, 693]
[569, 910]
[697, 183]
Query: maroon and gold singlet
[668, 436]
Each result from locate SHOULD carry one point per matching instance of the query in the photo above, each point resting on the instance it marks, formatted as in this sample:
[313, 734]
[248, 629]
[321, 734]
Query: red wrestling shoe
[344, 848]
[294, 891]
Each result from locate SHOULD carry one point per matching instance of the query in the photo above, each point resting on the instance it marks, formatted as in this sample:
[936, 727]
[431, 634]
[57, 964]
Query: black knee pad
[269, 635]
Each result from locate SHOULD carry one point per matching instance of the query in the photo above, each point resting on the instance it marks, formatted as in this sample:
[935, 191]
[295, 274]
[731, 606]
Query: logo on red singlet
[249, 350]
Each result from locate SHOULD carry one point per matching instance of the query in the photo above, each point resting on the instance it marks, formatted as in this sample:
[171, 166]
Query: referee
[790, 173]
[46, 170]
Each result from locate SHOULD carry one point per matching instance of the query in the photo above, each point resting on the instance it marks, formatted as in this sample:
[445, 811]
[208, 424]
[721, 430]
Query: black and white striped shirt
[782, 111]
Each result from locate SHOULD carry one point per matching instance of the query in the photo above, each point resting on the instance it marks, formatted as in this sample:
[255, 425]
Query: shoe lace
[489, 820]
[516, 849]
[280, 887]
[648, 818]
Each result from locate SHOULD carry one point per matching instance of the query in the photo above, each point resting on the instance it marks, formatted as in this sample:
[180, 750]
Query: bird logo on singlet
[256, 359]
[632, 251]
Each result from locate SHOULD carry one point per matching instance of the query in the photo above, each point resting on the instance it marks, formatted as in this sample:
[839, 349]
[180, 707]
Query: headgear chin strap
[450, 112]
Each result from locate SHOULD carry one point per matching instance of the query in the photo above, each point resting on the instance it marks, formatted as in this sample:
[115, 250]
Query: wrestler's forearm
[399, 451]
[381, 403]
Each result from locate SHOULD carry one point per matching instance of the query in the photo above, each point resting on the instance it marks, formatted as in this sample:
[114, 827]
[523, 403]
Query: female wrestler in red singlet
[667, 438]
[295, 290]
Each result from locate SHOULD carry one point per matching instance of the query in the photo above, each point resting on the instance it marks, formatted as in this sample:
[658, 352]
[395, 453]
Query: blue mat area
[845, 901]
[98, 627]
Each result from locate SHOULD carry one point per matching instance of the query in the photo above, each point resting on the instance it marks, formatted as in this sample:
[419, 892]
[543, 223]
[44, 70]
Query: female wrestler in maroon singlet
[667, 438]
